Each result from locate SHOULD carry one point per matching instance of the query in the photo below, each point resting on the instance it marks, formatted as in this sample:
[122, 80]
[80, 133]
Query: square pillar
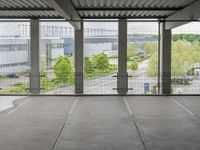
[122, 75]
[34, 56]
[79, 61]
[165, 59]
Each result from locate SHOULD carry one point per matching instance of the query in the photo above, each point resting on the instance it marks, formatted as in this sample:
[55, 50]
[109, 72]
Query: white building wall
[92, 49]
[10, 57]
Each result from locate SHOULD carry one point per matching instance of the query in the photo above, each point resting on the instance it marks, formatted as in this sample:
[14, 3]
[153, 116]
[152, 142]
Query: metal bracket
[122, 88]
[34, 89]
[121, 76]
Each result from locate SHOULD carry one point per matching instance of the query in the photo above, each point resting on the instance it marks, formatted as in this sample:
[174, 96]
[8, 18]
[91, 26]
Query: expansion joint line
[133, 119]
[66, 122]
[175, 100]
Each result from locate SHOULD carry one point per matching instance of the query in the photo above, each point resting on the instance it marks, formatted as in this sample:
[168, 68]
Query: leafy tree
[150, 48]
[63, 70]
[188, 37]
[181, 57]
[134, 65]
[44, 79]
[88, 66]
[100, 62]
[184, 55]
[153, 65]
[131, 50]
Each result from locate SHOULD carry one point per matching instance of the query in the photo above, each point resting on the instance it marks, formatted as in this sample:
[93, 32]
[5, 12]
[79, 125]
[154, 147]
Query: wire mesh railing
[103, 84]
[14, 83]
[185, 85]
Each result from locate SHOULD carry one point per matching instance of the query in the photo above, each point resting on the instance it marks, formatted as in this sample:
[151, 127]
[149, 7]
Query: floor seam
[182, 106]
[175, 100]
[14, 109]
[133, 119]
[65, 123]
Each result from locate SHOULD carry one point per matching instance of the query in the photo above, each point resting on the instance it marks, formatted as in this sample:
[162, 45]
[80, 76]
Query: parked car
[183, 80]
[13, 75]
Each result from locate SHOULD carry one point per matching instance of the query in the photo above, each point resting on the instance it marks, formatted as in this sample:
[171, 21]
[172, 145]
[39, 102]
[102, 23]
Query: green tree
[153, 65]
[184, 55]
[88, 66]
[134, 65]
[101, 62]
[150, 48]
[63, 70]
[131, 50]
[44, 78]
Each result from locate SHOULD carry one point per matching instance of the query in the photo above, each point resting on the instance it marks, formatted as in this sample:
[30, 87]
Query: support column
[122, 75]
[165, 60]
[34, 56]
[79, 61]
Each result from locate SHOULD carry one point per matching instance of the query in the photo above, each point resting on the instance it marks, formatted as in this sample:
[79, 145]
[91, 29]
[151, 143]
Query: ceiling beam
[26, 9]
[121, 17]
[186, 14]
[66, 9]
[127, 9]
[30, 17]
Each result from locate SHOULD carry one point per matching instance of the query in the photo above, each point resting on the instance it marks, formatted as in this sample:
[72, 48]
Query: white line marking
[17, 107]
[182, 106]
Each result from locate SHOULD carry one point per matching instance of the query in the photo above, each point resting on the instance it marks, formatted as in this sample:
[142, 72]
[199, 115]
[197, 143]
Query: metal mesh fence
[186, 59]
[57, 58]
[142, 53]
[14, 57]
[100, 57]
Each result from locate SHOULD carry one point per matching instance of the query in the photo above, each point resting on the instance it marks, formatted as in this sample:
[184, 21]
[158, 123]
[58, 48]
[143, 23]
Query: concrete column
[79, 61]
[122, 76]
[165, 60]
[35, 56]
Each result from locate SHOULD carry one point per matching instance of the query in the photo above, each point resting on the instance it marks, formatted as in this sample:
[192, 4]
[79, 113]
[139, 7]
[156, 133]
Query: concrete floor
[102, 123]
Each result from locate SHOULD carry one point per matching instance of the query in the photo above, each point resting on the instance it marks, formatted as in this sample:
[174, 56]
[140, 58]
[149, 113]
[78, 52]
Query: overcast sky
[146, 27]
[133, 27]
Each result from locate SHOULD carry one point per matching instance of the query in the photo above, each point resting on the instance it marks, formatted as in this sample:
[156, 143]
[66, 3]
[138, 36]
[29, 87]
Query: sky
[190, 28]
[147, 27]
[133, 27]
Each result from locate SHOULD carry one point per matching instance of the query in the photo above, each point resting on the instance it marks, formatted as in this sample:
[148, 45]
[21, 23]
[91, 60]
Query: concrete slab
[190, 102]
[35, 125]
[7, 102]
[164, 125]
[99, 123]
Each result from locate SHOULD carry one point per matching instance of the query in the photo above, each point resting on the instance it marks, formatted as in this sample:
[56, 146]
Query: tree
[150, 48]
[88, 66]
[131, 50]
[100, 62]
[184, 55]
[153, 65]
[134, 65]
[44, 79]
[63, 70]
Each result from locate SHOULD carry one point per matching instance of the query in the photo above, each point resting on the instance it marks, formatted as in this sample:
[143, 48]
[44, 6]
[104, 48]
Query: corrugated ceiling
[93, 8]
